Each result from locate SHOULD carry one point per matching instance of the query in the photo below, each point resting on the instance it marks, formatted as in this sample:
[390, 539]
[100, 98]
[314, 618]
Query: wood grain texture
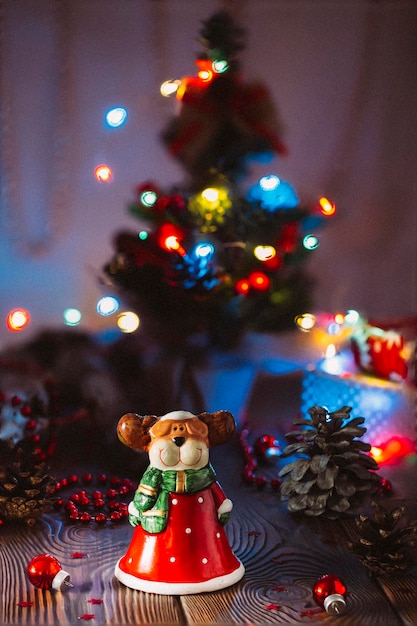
[283, 557]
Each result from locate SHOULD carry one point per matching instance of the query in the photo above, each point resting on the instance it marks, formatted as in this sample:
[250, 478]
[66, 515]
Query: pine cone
[383, 547]
[334, 474]
[25, 487]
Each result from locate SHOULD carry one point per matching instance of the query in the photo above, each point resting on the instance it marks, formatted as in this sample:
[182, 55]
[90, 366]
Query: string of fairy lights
[212, 201]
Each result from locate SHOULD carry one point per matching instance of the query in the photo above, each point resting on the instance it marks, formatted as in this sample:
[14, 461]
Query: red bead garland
[96, 507]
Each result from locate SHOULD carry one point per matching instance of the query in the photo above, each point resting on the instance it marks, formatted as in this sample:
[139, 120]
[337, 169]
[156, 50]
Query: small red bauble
[45, 572]
[329, 592]
[267, 448]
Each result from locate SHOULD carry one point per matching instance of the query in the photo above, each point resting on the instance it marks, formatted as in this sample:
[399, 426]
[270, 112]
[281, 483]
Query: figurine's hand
[134, 519]
[224, 511]
[224, 518]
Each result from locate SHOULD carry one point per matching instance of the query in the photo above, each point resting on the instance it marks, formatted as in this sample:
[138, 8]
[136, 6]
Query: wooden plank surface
[283, 558]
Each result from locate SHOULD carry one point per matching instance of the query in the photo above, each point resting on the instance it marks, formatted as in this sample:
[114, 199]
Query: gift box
[388, 407]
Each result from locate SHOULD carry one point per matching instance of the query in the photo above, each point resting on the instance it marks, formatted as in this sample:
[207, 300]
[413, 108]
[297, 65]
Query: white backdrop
[343, 76]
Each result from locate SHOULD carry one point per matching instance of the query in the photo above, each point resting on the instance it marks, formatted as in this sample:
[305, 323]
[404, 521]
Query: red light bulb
[45, 572]
[329, 592]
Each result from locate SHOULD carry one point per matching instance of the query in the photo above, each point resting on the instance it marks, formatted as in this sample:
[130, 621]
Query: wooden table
[283, 558]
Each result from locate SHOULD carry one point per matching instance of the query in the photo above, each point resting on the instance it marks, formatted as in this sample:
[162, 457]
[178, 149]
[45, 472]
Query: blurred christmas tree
[208, 258]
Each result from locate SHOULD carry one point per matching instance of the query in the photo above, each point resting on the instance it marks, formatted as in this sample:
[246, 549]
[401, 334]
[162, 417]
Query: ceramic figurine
[179, 545]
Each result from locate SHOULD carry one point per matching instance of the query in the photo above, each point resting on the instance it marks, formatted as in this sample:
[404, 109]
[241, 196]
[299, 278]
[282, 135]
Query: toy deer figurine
[179, 545]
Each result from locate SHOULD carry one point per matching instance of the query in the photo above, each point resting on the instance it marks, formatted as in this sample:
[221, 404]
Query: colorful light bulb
[107, 305]
[169, 87]
[264, 253]
[203, 250]
[327, 208]
[305, 322]
[259, 281]
[116, 117]
[242, 286]
[311, 242]
[128, 322]
[103, 173]
[148, 197]
[220, 65]
[72, 317]
[17, 319]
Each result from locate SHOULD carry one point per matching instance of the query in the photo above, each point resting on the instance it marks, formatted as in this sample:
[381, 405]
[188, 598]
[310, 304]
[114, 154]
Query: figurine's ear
[221, 426]
[133, 430]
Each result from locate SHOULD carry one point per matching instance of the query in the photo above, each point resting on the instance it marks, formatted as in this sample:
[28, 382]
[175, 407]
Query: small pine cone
[25, 489]
[385, 546]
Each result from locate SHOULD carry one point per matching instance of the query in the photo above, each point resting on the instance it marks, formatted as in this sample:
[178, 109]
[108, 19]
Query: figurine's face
[179, 444]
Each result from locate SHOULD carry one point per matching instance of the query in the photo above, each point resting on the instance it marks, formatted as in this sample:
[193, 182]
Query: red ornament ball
[329, 592]
[45, 572]
[267, 448]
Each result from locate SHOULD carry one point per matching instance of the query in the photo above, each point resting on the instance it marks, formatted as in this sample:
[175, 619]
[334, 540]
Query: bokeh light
[220, 65]
[116, 117]
[128, 322]
[311, 242]
[17, 319]
[264, 253]
[306, 321]
[103, 173]
[327, 208]
[169, 87]
[203, 250]
[72, 317]
[107, 305]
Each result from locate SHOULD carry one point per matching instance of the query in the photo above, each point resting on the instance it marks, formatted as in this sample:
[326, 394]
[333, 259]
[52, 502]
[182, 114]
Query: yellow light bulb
[210, 194]
[326, 207]
[103, 173]
[169, 87]
[305, 322]
[264, 253]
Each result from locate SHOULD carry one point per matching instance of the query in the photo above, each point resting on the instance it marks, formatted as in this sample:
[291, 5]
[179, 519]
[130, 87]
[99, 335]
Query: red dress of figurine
[179, 545]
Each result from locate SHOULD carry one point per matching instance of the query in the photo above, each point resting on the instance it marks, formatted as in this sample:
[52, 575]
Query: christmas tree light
[210, 256]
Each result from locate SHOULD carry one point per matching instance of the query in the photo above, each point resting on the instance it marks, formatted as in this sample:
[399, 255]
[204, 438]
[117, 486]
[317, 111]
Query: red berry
[96, 495]
[111, 493]
[115, 516]
[100, 518]
[248, 476]
[261, 482]
[85, 517]
[87, 478]
[99, 503]
[102, 479]
[113, 505]
[73, 479]
[275, 484]
[15, 401]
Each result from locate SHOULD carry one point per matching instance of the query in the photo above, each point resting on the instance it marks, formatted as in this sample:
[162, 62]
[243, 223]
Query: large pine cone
[334, 474]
